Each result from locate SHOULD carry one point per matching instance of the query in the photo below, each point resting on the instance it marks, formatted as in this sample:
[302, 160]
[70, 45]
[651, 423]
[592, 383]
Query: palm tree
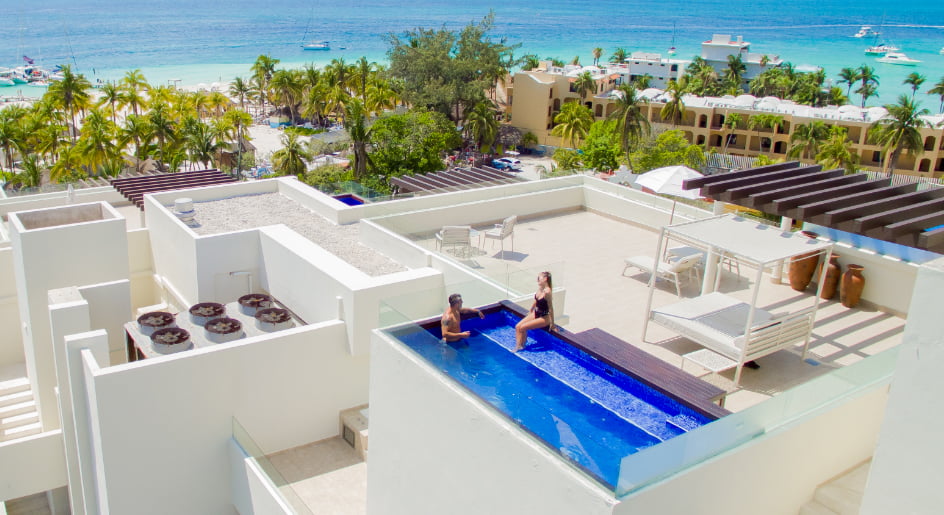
[364, 72]
[481, 125]
[584, 84]
[111, 95]
[899, 130]
[355, 122]
[202, 144]
[674, 108]
[643, 81]
[734, 73]
[137, 129]
[731, 123]
[631, 122]
[597, 53]
[848, 76]
[287, 89]
[291, 158]
[67, 167]
[869, 83]
[164, 129]
[938, 89]
[239, 89]
[31, 172]
[915, 80]
[97, 146]
[618, 56]
[11, 137]
[805, 140]
[530, 62]
[262, 71]
[71, 93]
[573, 123]
[837, 151]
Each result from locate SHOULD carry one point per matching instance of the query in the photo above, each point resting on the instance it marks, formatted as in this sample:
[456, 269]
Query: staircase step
[36, 504]
[19, 432]
[16, 409]
[843, 495]
[18, 420]
[16, 384]
[6, 399]
[815, 508]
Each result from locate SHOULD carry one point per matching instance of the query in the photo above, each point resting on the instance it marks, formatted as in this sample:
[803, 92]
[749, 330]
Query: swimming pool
[590, 412]
[350, 199]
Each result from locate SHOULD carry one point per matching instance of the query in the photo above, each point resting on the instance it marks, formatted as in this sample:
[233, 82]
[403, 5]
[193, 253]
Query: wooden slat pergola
[875, 208]
[134, 188]
[456, 179]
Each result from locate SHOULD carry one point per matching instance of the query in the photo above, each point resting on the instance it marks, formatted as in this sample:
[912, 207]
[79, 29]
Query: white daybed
[737, 331]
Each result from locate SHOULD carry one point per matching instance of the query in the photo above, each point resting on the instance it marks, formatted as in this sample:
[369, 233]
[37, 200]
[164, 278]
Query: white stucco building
[93, 432]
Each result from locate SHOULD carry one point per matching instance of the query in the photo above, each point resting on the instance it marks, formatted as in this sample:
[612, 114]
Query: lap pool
[590, 412]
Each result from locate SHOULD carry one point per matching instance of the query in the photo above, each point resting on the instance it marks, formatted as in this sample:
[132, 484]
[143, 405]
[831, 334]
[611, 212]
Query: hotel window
[876, 156]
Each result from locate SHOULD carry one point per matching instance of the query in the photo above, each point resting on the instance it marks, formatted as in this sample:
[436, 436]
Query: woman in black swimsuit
[541, 314]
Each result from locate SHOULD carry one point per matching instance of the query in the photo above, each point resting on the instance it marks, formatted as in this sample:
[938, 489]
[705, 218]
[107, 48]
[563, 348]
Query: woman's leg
[529, 323]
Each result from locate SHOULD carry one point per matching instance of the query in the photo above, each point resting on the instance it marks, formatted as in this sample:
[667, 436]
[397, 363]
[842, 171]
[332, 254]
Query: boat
[672, 50]
[866, 31]
[942, 51]
[317, 45]
[898, 58]
[880, 50]
[6, 77]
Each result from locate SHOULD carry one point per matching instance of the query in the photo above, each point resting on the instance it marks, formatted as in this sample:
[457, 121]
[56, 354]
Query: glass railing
[283, 487]
[808, 399]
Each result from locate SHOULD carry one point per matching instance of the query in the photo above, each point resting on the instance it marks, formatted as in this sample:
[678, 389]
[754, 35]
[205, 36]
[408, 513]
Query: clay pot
[803, 267]
[850, 289]
[833, 272]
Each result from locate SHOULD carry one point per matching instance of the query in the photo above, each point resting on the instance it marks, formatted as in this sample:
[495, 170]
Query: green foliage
[567, 159]
[667, 149]
[303, 131]
[324, 176]
[601, 150]
[409, 143]
[449, 71]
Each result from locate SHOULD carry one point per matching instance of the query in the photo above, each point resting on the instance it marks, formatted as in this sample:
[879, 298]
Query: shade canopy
[747, 239]
[668, 181]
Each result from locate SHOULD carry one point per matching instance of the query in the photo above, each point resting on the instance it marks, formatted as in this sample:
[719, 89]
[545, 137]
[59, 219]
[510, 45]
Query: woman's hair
[548, 276]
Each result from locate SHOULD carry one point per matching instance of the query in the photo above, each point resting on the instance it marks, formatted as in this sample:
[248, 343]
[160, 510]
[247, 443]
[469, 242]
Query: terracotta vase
[803, 267]
[833, 272]
[850, 289]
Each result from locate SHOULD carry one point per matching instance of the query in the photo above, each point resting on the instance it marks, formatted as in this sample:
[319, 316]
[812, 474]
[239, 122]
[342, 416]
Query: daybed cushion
[715, 321]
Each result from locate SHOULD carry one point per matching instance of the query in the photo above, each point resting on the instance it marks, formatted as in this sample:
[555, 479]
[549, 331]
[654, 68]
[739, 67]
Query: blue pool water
[350, 199]
[591, 413]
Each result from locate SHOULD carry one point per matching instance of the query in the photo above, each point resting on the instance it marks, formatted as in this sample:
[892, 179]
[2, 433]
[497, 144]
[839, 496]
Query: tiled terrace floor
[590, 249]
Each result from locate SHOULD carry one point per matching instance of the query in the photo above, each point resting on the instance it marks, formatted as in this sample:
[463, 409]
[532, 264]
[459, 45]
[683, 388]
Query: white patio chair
[459, 237]
[671, 271]
[502, 231]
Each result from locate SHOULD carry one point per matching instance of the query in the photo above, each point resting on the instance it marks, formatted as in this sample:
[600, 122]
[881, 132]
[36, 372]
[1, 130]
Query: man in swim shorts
[452, 319]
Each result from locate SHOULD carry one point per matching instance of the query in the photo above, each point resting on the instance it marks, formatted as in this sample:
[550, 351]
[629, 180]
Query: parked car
[506, 163]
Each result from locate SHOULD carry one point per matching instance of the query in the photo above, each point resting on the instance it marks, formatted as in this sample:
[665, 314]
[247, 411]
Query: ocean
[207, 41]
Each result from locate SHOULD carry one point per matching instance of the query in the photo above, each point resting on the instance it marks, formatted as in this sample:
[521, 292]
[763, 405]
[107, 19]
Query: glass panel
[282, 486]
[808, 399]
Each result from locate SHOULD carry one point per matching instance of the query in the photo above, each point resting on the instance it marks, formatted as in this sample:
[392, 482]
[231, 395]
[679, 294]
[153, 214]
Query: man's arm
[466, 311]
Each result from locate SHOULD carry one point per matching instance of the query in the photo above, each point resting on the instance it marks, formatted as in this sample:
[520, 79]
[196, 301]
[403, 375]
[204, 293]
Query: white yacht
[865, 31]
[898, 58]
[880, 50]
[6, 77]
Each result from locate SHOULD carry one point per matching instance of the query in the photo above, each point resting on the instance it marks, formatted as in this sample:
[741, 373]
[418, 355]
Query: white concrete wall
[109, 309]
[777, 472]
[436, 449]
[253, 493]
[31, 465]
[904, 477]
[11, 345]
[56, 257]
[141, 269]
[163, 425]
[59, 199]
[174, 251]
[217, 257]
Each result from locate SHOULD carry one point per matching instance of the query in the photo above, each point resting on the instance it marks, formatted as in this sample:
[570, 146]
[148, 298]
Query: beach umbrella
[668, 181]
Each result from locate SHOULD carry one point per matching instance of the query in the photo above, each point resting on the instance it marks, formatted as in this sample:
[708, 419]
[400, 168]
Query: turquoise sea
[207, 41]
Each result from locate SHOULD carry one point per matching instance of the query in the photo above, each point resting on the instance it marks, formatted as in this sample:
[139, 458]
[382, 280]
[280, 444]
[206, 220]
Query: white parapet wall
[162, 425]
[32, 464]
[435, 448]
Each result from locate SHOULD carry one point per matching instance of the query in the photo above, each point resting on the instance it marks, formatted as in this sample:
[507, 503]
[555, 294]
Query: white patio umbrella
[668, 181]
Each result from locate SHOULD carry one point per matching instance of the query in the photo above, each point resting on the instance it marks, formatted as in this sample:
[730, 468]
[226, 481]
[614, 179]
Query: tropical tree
[530, 62]
[643, 81]
[674, 108]
[915, 80]
[262, 71]
[11, 137]
[573, 123]
[734, 73]
[837, 151]
[938, 89]
[201, 144]
[806, 139]
[597, 53]
[584, 84]
[71, 93]
[31, 172]
[619, 55]
[667, 149]
[631, 121]
[481, 125]
[163, 127]
[291, 158]
[68, 167]
[848, 76]
[355, 121]
[731, 123]
[110, 95]
[899, 130]
[868, 83]
[240, 89]
[287, 88]
[97, 146]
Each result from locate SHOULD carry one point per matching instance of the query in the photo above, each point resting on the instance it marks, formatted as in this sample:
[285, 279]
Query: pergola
[876, 208]
[134, 188]
[456, 179]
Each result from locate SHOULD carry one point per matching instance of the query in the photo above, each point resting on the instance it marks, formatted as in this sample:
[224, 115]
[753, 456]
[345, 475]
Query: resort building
[717, 50]
[330, 336]
[535, 99]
